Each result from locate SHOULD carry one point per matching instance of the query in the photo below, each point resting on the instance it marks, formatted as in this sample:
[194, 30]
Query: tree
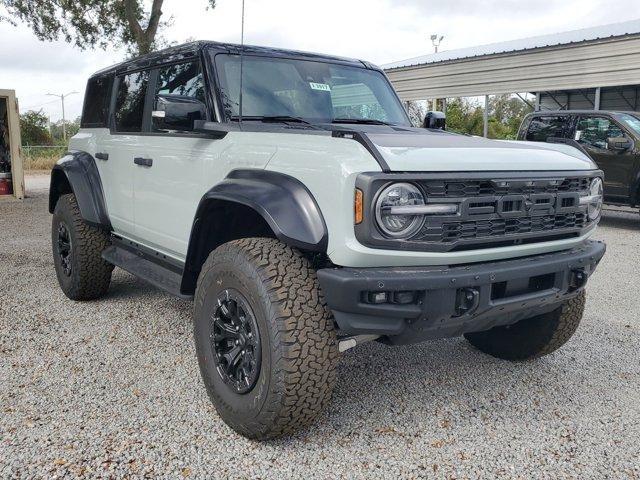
[505, 116]
[416, 112]
[92, 23]
[71, 128]
[33, 128]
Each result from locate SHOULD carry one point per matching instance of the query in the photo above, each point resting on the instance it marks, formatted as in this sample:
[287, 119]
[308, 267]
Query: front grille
[491, 210]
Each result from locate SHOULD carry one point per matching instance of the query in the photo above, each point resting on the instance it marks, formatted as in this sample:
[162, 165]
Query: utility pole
[64, 120]
[435, 40]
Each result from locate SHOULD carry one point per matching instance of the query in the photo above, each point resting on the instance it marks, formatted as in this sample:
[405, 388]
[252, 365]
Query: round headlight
[596, 194]
[399, 225]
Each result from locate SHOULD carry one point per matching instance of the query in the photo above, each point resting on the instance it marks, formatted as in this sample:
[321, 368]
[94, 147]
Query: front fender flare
[286, 205]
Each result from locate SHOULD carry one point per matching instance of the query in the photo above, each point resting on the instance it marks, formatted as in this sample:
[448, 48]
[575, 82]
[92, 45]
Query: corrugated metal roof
[631, 27]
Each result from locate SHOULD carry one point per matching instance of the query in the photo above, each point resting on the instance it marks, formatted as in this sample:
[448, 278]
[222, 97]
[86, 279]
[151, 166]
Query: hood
[423, 150]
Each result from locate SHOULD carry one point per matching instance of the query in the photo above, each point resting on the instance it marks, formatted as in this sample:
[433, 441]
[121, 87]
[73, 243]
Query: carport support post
[596, 102]
[485, 117]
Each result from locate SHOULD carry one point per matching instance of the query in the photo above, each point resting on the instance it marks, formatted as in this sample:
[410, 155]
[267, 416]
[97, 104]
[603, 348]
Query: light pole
[64, 120]
[435, 40]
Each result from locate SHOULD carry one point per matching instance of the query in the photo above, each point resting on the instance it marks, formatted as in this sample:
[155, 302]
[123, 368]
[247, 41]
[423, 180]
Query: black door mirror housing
[619, 144]
[435, 120]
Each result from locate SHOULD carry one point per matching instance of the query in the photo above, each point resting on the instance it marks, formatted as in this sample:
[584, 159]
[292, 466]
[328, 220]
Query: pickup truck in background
[612, 139]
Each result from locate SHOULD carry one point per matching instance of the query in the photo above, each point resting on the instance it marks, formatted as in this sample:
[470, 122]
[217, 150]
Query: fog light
[378, 297]
[404, 298]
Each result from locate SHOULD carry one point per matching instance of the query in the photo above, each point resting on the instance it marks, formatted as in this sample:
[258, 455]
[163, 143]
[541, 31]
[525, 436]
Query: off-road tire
[533, 337]
[90, 275]
[298, 341]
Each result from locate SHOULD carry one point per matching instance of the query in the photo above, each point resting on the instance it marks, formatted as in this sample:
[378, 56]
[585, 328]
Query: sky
[380, 31]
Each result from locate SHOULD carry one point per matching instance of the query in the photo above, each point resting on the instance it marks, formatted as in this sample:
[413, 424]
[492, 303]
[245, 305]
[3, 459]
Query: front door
[592, 132]
[168, 175]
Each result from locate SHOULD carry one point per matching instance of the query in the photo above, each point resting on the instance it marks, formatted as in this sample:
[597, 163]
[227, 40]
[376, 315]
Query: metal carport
[595, 68]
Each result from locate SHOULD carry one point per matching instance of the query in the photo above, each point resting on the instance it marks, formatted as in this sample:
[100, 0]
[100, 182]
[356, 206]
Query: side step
[151, 272]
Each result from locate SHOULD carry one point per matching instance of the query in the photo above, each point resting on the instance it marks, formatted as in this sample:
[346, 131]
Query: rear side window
[129, 109]
[95, 111]
[179, 98]
[542, 128]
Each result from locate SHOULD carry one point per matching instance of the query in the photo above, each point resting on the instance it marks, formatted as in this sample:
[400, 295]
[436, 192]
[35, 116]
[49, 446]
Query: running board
[151, 272]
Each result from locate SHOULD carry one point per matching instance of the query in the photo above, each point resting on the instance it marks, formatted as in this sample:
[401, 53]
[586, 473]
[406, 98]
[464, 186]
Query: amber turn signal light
[358, 207]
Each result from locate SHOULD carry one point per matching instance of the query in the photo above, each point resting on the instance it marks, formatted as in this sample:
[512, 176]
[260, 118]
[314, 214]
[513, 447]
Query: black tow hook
[577, 279]
[467, 300]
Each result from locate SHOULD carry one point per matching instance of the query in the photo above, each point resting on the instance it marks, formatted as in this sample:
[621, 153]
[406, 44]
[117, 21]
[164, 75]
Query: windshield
[309, 90]
[631, 122]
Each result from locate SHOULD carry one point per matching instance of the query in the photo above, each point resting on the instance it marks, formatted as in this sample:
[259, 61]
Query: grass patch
[41, 158]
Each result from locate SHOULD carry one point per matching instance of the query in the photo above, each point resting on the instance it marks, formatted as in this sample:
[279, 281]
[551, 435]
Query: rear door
[116, 165]
[592, 132]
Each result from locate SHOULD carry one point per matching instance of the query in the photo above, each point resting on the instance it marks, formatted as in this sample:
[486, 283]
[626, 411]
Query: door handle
[145, 162]
[102, 156]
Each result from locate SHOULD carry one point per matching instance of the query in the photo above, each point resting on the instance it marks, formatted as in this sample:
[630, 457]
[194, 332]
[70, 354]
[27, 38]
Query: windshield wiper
[285, 118]
[361, 121]
[277, 119]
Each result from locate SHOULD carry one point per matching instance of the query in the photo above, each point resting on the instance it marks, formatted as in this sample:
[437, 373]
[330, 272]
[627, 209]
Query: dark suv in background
[612, 139]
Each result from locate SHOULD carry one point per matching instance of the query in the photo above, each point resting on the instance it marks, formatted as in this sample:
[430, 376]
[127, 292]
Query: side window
[179, 98]
[594, 131]
[129, 108]
[95, 110]
[542, 128]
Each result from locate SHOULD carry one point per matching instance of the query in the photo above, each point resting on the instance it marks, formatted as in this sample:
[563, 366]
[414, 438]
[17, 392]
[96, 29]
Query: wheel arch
[77, 173]
[250, 203]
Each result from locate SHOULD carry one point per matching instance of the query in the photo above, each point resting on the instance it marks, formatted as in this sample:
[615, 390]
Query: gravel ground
[111, 388]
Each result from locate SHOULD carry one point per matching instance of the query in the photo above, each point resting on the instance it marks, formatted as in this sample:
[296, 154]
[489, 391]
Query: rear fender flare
[77, 173]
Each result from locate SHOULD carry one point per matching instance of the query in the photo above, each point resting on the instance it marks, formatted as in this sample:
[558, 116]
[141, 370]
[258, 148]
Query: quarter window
[179, 98]
[594, 131]
[130, 98]
[96, 102]
[542, 128]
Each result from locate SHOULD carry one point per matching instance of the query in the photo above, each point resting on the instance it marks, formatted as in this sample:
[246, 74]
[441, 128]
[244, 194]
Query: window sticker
[578, 135]
[320, 86]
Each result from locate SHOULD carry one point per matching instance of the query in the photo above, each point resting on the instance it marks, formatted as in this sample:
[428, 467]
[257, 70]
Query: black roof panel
[192, 49]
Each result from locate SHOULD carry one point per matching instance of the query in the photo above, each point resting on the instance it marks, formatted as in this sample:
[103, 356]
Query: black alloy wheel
[235, 339]
[64, 248]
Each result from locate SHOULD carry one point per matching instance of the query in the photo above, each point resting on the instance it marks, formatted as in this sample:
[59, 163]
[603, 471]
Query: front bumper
[435, 302]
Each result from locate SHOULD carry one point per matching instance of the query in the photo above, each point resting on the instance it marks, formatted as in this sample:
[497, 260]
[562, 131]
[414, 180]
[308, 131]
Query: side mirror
[177, 113]
[619, 144]
[435, 120]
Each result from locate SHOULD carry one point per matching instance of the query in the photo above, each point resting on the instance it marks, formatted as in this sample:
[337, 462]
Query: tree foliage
[505, 116]
[72, 128]
[92, 23]
[33, 128]
[36, 130]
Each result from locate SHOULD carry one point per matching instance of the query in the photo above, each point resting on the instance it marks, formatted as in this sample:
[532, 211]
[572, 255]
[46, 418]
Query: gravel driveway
[111, 388]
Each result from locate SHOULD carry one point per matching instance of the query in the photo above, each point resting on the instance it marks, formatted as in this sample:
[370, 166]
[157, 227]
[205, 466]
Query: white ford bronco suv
[288, 194]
